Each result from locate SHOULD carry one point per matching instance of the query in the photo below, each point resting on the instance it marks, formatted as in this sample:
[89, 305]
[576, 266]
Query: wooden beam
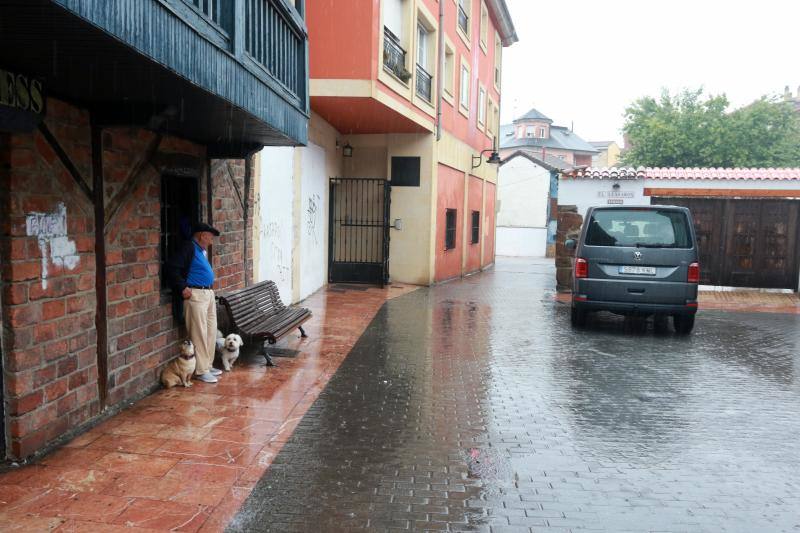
[65, 160]
[101, 316]
[132, 180]
[233, 185]
[722, 193]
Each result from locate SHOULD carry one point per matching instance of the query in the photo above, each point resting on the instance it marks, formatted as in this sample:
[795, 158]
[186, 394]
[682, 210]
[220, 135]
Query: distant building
[527, 204]
[794, 99]
[608, 154]
[535, 134]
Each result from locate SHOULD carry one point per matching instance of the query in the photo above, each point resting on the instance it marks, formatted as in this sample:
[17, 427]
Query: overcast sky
[584, 61]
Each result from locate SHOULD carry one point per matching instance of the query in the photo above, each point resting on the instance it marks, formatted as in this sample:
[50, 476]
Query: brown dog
[179, 371]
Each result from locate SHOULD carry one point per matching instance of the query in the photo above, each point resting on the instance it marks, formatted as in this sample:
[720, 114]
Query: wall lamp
[494, 158]
[347, 150]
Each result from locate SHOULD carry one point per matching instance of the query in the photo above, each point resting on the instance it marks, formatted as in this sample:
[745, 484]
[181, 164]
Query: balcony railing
[209, 8]
[424, 83]
[273, 40]
[463, 20]
[394, 57]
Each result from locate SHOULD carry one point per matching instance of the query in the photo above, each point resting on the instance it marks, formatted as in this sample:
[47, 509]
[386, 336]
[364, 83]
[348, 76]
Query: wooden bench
[257, 313]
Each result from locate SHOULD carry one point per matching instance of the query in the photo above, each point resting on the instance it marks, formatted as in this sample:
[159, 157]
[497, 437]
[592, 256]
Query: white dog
[228, 349]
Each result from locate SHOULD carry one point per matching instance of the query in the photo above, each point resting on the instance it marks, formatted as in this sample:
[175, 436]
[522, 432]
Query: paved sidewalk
[474, 406]
[185, 459]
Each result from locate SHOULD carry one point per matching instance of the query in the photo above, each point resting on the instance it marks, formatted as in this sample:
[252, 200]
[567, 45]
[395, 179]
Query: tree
[686, 130]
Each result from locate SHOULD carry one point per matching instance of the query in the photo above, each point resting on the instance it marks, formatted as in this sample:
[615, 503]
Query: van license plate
[642, 271]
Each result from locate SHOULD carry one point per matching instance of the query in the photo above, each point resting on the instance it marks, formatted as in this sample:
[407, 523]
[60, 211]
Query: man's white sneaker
[215, 371]
[208, 377]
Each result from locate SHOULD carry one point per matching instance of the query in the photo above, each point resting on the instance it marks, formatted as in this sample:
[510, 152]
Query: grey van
[636, 260]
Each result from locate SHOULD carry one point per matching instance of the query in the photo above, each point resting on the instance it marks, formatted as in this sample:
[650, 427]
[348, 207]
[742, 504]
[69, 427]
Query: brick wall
[49, 336]
[228, 178]
[49, 306]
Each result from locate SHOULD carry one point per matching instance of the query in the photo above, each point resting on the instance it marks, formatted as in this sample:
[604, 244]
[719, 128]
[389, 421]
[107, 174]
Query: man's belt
[205, 287]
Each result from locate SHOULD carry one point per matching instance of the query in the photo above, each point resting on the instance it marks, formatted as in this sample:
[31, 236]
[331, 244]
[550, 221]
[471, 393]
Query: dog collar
[186, 357]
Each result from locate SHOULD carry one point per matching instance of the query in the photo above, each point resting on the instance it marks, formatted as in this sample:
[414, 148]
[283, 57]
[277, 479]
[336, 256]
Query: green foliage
[686, 130]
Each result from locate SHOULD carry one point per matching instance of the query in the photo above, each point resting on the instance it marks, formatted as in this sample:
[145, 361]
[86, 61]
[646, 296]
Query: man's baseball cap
[202, 226]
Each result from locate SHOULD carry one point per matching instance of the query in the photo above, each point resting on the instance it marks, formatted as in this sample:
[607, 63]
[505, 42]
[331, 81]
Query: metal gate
[358, 240]
[746, 243]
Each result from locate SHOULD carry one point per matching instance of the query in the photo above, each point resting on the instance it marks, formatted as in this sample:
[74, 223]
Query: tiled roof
[534, 114]
[560, 138]
[672, 173]
[549, 162]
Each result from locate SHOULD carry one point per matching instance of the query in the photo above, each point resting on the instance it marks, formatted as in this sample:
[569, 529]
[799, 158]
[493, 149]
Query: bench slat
[257, 311]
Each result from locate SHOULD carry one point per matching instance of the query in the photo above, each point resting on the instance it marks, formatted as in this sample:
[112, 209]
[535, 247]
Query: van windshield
[646, 228]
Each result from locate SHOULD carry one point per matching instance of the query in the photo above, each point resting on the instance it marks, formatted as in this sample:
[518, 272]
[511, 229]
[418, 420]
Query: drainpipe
[440, 77]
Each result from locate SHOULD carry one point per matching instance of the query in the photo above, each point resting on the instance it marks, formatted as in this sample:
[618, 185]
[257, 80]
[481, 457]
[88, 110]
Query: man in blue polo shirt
[191, 276]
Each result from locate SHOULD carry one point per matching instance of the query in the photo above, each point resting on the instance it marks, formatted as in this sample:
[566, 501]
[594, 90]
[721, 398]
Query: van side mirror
[570, 244]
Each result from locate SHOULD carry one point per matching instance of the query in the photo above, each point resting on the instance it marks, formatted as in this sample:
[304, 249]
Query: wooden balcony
[228, 73]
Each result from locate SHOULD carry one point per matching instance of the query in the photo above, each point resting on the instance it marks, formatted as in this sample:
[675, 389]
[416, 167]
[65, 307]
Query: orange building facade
[412, 90]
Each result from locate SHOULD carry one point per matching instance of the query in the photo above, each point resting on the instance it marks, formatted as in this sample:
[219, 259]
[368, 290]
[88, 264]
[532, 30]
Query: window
[529, 130]
[422, 46]
[424, 83]
[484, 26]
[655, 228]
[542, 133]
[463, 17]
[498, 56]
[394, 37]
[464, 100]
[449, 70]
[481, 106]
[476, 227]
[179, 210]
[450, 229]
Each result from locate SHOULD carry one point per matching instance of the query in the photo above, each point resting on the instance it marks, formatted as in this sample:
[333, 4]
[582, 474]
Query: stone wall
[569, 227]
[51, 352]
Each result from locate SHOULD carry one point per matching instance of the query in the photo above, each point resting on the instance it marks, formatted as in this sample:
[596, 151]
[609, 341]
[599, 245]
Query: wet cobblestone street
[474, 406]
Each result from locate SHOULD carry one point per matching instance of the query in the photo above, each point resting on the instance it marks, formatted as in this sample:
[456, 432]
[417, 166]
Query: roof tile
[663, 173]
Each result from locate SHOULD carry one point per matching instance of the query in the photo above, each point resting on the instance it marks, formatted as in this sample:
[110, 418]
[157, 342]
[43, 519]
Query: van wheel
[578, 317]
[683, 324]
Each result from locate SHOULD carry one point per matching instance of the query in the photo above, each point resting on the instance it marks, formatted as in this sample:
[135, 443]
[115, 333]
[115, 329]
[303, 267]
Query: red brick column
[569, 227]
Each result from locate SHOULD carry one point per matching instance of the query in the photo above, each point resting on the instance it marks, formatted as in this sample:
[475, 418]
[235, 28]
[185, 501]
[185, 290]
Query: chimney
[787, 93]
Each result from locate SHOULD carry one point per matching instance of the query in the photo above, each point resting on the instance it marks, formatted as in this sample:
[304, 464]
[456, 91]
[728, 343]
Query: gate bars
[359, 230]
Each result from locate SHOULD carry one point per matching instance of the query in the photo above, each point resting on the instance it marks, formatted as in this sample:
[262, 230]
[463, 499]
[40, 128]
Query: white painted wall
[523, 188]
[273, 208]
[314, 219]
[592, 192]
[521, 242]
[522, 192]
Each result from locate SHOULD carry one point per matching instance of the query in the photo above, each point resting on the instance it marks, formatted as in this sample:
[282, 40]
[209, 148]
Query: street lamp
[347, 150]
[494, 158]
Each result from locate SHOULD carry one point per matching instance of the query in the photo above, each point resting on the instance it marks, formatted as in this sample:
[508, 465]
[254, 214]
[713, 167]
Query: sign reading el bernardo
[22, 102]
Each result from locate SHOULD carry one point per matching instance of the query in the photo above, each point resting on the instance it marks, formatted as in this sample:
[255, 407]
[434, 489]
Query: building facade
[608, 154]
[118, 128]
[405, 97]
[536, 134]
[527, 189]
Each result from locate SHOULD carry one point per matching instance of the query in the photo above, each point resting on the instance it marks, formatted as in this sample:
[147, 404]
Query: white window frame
[530, 131]
[464, 89]
[481, 107]
[542, 132]
[484, 29]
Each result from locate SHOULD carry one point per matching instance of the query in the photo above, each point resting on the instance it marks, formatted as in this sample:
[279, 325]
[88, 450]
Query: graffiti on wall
[271, 233]
[312, 217]
[50, 229]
